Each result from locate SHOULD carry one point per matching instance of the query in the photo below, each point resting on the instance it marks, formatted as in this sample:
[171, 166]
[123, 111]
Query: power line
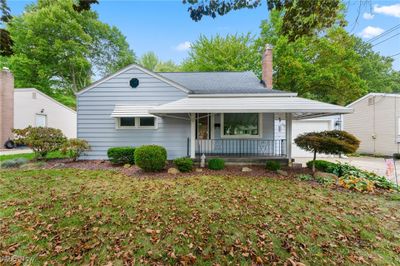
[395, 54]
[384, 33]
[386, 39]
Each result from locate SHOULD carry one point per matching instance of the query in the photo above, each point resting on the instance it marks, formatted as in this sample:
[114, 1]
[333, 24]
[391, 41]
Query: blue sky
[164, 26]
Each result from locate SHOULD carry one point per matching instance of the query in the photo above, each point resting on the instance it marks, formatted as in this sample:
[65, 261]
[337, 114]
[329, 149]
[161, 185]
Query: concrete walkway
[370, 164]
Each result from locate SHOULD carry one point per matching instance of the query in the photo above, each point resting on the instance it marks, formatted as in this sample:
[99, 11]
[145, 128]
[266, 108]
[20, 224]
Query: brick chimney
[267, 66]
[6, 105]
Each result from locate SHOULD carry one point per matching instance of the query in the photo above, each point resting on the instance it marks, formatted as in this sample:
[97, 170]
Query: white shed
[34, 108]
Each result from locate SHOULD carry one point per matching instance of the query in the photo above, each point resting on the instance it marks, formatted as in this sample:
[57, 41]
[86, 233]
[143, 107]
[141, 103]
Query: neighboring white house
[305, 126]
[376, 123]
[34, 108]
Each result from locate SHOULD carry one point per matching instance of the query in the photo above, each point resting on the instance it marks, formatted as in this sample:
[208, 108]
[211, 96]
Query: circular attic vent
[134, 83]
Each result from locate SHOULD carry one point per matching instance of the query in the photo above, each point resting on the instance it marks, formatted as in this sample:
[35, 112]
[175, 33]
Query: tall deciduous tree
[377, 70]
[301, 18]
[82, 5]
[149, 60]
[5, 39]
[230, 53]
[336, 67]
[56, 47]
[167, 66]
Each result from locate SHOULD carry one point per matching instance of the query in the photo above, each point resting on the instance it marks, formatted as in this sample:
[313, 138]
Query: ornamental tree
[41, 140]
[327, 142]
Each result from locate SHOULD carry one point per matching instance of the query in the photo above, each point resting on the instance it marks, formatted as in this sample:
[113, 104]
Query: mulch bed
[230, 170]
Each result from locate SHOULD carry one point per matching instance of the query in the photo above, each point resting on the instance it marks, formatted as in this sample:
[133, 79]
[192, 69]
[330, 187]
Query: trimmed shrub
[151, 158]
[41, 140]
[216, 164]
[272, 165]
[396, 156]
[74, 148]
[184, 164]
[321, 165]
[14, 163]
[121, 155]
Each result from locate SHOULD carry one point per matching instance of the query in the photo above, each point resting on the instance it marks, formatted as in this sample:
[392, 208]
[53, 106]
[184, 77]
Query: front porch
[243, 125]
[239, 137]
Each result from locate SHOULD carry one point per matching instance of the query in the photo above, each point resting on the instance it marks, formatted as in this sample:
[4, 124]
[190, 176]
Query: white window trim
[137, 124]
[260, 130]
[398, 130]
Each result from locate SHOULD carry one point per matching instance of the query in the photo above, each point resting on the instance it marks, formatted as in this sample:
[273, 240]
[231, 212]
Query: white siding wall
[375, 123]
[30, 102]
[98, 128]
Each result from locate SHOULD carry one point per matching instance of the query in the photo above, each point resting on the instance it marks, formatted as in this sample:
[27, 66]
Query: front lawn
[70, 216]
[31, 156]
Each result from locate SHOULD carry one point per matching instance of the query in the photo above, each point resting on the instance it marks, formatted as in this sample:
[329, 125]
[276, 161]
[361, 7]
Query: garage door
[305, 126]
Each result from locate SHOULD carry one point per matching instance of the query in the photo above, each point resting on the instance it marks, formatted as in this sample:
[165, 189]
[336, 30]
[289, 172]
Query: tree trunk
[313, 162]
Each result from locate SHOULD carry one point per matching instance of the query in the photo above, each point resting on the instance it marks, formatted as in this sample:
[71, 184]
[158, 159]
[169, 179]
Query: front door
[203, 126]
[40, 120]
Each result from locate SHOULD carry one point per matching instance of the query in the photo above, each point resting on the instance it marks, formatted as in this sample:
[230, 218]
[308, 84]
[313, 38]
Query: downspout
[373, 125]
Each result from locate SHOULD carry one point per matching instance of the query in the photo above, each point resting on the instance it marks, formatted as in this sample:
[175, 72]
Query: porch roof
[300, 107]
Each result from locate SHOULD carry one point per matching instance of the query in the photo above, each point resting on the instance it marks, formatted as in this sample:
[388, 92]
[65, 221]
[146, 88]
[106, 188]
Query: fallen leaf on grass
[151, 231]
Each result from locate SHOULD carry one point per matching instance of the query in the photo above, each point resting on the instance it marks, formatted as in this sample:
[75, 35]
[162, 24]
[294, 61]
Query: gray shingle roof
[219, 82]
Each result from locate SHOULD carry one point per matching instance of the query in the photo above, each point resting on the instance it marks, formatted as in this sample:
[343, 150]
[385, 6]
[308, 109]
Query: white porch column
[192, 135]
[289, 136]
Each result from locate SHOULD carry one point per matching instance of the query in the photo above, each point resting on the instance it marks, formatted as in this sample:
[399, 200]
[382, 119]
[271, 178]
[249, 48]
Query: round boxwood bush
[184, 164]
[272, 165]
[151, 158]
[121, 155]
[216, 164]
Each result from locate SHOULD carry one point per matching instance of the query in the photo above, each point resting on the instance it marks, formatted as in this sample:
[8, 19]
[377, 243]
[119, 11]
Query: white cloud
[370, 32]
[393, 10]
[368, 16]
[184, 46]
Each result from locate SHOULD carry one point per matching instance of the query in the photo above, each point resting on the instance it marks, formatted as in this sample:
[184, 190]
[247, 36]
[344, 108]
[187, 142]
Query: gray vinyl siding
[97, 126]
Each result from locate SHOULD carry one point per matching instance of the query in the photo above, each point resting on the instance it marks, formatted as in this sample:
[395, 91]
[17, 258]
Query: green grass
[31, 156]
[75, 216]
